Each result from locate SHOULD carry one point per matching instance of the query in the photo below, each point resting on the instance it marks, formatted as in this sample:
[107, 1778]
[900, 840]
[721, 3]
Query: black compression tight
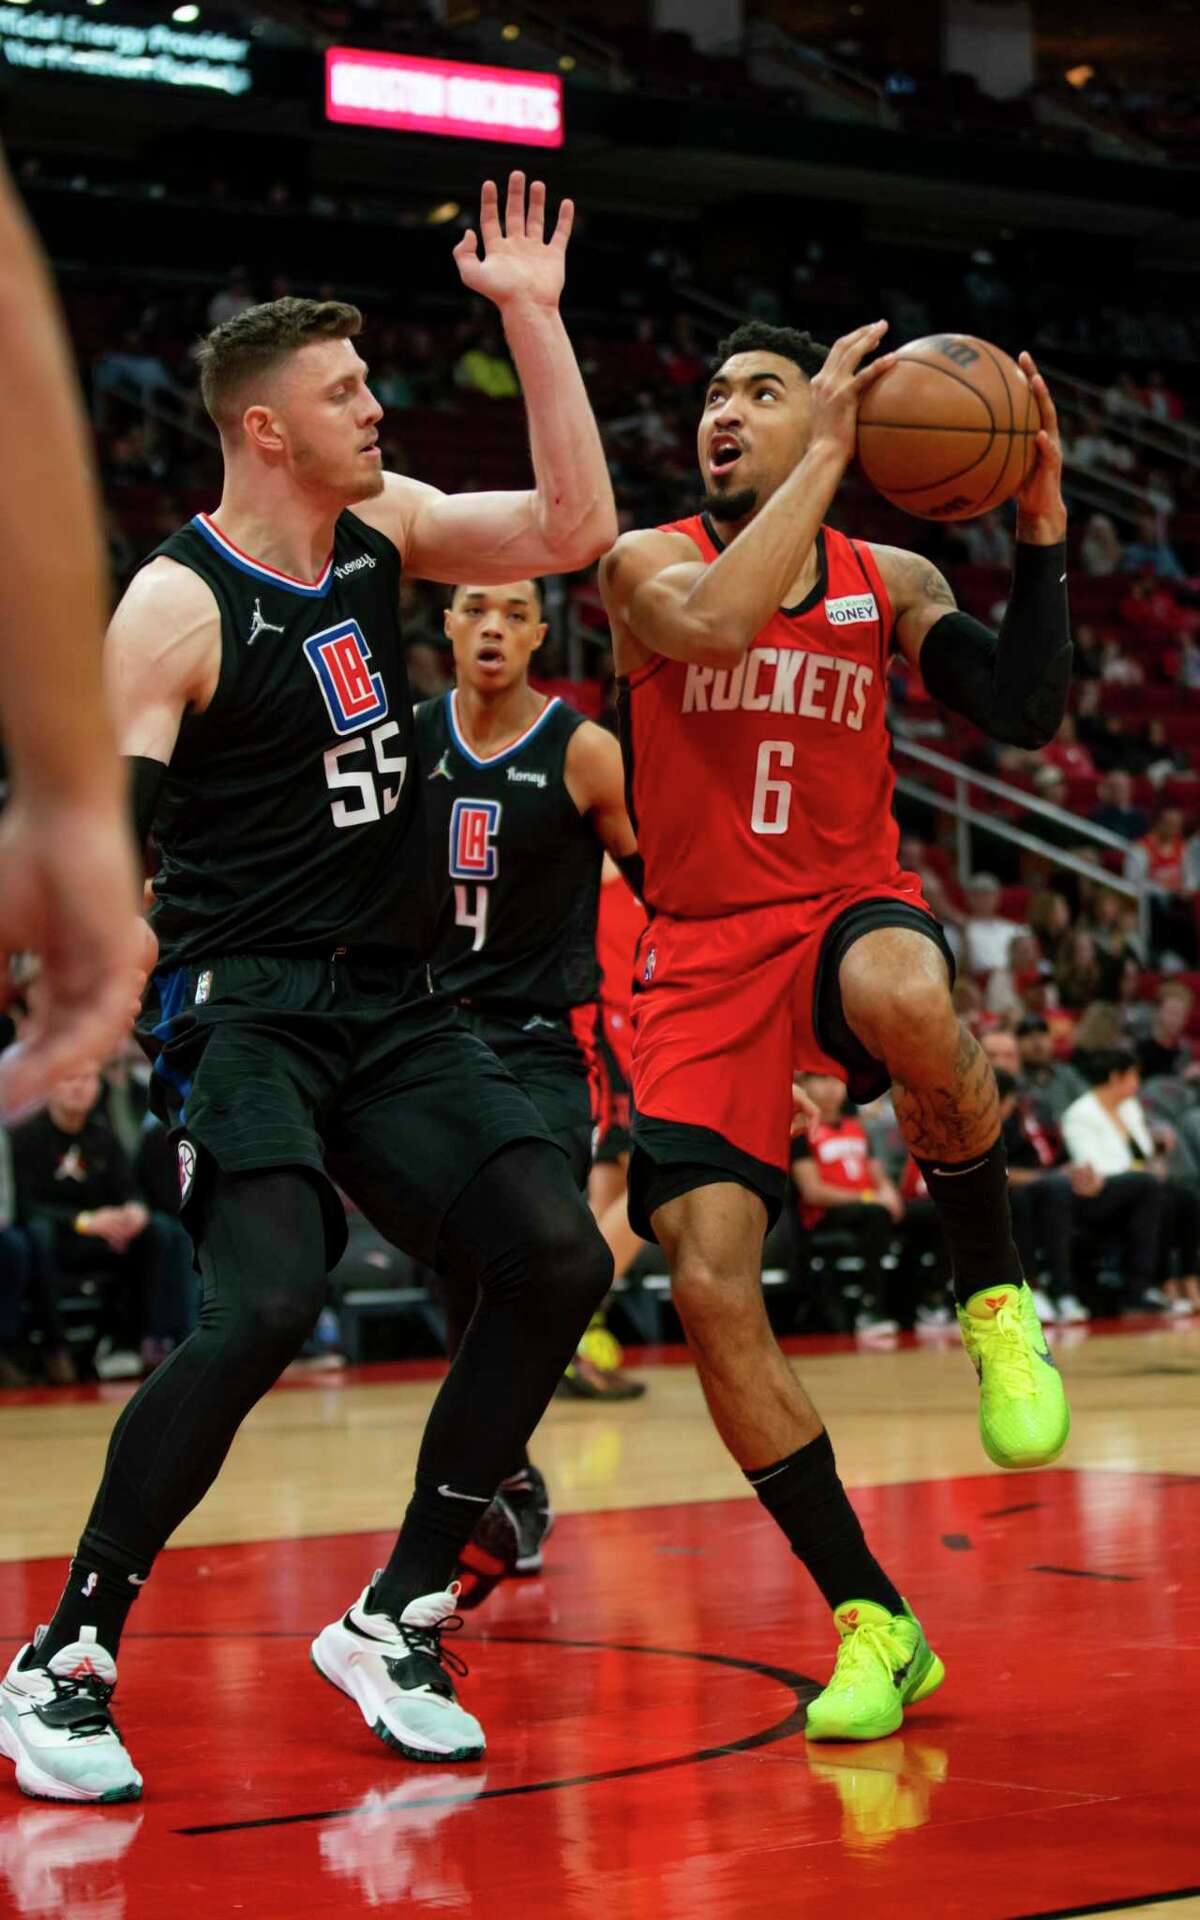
[523, 1235]
[262, 1258]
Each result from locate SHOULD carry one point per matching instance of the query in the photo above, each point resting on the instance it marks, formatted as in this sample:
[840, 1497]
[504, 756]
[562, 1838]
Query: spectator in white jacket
[1107, 1130]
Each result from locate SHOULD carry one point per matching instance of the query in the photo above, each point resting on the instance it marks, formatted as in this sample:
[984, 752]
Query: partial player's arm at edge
[595, 779]
[162, 655]
[1013, 685]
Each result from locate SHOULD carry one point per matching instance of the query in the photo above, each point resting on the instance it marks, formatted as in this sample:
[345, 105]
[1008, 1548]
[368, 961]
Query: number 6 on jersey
[772, 798]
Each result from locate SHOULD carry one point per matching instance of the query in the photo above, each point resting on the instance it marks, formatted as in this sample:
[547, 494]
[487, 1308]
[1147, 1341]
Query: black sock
[972, 1205]
[97, 1594]
[436, 1528]
[804, 1496]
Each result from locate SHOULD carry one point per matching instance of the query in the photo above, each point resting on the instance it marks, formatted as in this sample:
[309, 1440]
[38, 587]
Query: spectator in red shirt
[1159, 399]
[1164, 861]
[1067, 752]
[840, 1182]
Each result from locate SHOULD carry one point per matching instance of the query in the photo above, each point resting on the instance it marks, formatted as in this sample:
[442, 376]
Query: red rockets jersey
[771, 780]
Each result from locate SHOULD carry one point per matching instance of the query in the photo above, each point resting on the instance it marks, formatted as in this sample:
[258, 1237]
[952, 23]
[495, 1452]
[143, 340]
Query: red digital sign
[443, 96]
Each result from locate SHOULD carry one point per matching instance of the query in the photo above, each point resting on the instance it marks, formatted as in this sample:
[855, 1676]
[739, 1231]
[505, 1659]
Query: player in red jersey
[751, 644]
[618, 929]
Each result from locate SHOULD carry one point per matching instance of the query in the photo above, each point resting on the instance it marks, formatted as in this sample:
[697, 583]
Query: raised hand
[1041, 509]
[518, 265]
[836, 390]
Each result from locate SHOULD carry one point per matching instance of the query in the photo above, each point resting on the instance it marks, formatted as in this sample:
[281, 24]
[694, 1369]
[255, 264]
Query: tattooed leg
[896, 998]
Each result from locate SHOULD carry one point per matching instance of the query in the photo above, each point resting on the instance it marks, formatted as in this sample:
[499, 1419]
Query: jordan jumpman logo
[259, 625]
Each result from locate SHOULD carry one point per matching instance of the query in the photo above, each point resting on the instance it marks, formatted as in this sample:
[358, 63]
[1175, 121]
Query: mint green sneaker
[884, 1664]
[1024, 1418]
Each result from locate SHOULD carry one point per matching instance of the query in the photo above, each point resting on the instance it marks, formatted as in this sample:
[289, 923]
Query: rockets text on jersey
[769, 780]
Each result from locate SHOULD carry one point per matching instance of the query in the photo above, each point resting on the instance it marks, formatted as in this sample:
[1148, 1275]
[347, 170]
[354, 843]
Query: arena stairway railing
[950, 793]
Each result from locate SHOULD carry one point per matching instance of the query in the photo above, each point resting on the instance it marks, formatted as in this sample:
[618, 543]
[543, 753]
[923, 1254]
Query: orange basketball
[948, 432]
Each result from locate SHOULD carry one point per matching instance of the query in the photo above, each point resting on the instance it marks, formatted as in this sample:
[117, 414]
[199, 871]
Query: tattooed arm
[919, 594]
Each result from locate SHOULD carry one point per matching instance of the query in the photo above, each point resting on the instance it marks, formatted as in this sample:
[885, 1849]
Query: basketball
[950, 431]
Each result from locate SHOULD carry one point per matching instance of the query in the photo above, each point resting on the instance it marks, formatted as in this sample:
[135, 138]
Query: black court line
[1002, 1513]
[798, 1684]
[1111, 1906]
[1085, 1573]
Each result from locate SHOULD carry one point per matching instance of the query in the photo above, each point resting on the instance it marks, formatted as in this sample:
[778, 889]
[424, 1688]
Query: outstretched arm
[570, 517]
[1014, 684]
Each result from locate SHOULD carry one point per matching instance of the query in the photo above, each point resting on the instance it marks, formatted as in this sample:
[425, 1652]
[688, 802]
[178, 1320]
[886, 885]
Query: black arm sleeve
[1013, 684]
[145, 782]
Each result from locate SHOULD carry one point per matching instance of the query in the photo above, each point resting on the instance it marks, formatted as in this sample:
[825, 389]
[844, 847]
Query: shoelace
[428, 1640]
[97, 1692]
[1010, 1353]
[868, 1646]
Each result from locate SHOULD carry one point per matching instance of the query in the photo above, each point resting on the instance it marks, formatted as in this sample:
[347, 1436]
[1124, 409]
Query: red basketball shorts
[724, 1013]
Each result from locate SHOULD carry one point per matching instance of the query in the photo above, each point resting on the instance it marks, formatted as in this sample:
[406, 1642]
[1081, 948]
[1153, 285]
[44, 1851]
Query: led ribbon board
[443, 96]
[107, 49]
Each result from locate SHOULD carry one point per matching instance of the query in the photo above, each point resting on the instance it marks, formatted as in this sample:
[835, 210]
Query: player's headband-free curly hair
[758, 336]
[260, 339]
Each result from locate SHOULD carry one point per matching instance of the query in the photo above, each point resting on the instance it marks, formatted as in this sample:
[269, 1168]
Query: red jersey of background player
[843, 1155]
[619, 922]
[770, 780]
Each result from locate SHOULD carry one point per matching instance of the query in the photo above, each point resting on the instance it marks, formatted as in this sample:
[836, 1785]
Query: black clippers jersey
[289, 818]
[516, 866]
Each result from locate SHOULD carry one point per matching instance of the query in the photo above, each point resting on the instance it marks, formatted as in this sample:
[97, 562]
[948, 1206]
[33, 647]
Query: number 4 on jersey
[474, 855]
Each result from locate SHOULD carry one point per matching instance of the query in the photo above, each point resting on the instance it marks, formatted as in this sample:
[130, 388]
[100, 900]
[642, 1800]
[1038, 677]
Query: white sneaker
[398, 1672]
[55, 1723]
[1047, 1310]
[1071, 1310]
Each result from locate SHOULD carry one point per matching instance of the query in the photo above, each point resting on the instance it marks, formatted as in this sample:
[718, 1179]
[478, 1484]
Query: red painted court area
[643, 1702]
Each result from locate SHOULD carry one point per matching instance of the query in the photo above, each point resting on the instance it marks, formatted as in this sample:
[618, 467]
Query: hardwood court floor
[644, 1698]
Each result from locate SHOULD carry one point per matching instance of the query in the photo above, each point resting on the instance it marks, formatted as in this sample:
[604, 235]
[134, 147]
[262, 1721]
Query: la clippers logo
[187, 1169]
[353, 694]
[474, 825]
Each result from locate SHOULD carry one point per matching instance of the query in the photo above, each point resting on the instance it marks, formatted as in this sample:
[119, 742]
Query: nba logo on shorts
[474, 825]
[353, 695]
[651, 963]
[187, 1169]
[203, 987]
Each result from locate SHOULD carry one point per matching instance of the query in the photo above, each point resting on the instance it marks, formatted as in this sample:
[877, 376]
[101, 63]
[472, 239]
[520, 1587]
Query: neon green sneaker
[1024, 1418]
[884, 1664]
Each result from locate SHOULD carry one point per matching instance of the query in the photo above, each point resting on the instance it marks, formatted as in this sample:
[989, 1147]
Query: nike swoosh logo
[448, 1493]
[1048, 1358]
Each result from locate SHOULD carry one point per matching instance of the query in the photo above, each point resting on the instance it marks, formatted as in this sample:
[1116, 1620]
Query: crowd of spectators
[1098, 1071]
[95, 1267]
[1056, 975]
